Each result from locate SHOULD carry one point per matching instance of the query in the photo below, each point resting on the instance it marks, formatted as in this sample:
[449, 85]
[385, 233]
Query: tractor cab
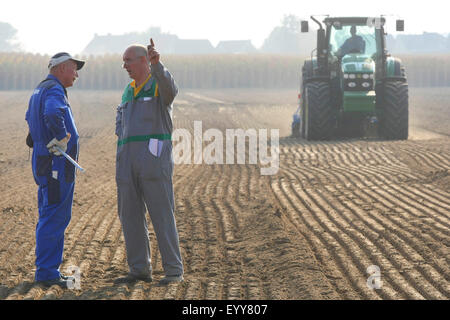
[353, 54]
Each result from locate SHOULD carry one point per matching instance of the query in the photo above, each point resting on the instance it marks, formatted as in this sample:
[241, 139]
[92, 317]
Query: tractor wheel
[393, 123]
[307, 72]
[302, 117]
[319, 113]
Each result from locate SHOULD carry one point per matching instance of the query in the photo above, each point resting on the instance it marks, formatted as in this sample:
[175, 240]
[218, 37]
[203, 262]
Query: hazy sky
[49, 26]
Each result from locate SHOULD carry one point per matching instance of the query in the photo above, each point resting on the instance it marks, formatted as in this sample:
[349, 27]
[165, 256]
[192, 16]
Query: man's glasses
[129, 61]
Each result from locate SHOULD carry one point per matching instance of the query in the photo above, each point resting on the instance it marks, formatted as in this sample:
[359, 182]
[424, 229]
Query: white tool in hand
[70, 159]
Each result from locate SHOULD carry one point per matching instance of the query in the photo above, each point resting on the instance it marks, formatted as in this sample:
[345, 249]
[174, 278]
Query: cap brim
[80, 63]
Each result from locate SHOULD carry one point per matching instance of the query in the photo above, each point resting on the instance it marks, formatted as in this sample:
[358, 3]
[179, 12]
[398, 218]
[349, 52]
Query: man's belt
[167, 136]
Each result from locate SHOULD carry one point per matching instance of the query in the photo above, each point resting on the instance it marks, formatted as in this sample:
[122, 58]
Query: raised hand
[152, 53]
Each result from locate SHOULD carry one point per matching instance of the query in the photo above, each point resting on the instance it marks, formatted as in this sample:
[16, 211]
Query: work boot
[63, 281]
[67, 278]
[132, 278]
[168, 279]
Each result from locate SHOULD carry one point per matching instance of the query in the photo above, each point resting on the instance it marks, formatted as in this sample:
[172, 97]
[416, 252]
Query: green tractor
[352, 86]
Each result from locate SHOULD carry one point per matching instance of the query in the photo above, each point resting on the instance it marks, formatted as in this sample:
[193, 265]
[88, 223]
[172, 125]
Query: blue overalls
[50, 116]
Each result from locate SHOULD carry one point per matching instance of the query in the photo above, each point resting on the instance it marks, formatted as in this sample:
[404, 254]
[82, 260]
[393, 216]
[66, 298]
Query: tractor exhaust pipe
[321, 48]
[316, 21]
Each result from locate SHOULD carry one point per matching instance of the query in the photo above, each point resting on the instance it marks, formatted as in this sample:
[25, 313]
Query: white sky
[49, 26]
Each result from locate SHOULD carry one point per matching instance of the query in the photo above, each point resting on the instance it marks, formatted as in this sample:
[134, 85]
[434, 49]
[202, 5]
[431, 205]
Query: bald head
[139, 50]
[136, 62]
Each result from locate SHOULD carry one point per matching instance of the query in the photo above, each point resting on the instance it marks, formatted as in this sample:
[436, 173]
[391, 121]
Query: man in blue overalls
[51, 124]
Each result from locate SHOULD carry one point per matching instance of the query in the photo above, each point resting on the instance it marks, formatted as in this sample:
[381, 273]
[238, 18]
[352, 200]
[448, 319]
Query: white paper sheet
[155, 147]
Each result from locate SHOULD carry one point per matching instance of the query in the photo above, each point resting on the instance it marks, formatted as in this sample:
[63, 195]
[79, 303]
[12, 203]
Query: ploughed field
[317, 229]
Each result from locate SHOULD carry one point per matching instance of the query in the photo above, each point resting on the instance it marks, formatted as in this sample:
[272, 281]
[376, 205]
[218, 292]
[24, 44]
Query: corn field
[23, 71]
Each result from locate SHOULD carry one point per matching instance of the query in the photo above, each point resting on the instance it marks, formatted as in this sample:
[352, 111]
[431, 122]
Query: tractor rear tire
[394, 117]
[319, 113]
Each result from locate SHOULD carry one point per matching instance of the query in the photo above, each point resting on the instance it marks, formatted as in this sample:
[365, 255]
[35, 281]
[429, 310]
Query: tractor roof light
[352, 76]
[345, 76]
[365, 76]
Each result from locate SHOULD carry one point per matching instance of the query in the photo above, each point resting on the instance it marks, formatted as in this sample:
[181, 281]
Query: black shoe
[132, 278]
[67, 278]
[169, 279]
[63, 283]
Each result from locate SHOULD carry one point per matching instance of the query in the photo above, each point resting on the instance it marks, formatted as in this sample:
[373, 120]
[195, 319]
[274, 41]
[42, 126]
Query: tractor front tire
[307, 72]
[319, 114]
[394, 118]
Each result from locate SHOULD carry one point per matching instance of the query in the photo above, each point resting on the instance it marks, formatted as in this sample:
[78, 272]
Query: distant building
[235, 46]
[110, 44]
[187, 46]
[165, 43]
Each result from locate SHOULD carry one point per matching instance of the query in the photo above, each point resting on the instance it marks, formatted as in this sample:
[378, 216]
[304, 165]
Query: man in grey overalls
[144, 165]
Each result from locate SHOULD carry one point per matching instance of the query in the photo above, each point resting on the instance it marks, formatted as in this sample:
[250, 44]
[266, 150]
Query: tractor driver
[354, 44]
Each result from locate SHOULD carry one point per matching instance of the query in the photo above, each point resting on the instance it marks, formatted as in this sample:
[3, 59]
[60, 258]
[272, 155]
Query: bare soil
[308, 232]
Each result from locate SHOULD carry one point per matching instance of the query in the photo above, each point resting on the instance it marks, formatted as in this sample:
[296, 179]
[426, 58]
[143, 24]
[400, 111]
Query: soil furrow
[329, 261]
[339, 236]
[400, 225]
[384, 181]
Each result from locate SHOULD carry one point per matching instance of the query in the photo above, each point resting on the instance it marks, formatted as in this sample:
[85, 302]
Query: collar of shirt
[50, 76]
[133, 85]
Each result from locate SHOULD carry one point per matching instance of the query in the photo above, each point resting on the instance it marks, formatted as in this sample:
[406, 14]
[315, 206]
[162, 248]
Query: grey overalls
[145, 178]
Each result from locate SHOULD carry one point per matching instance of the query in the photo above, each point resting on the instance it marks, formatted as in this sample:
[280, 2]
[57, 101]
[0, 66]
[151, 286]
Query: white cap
[62, 57]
